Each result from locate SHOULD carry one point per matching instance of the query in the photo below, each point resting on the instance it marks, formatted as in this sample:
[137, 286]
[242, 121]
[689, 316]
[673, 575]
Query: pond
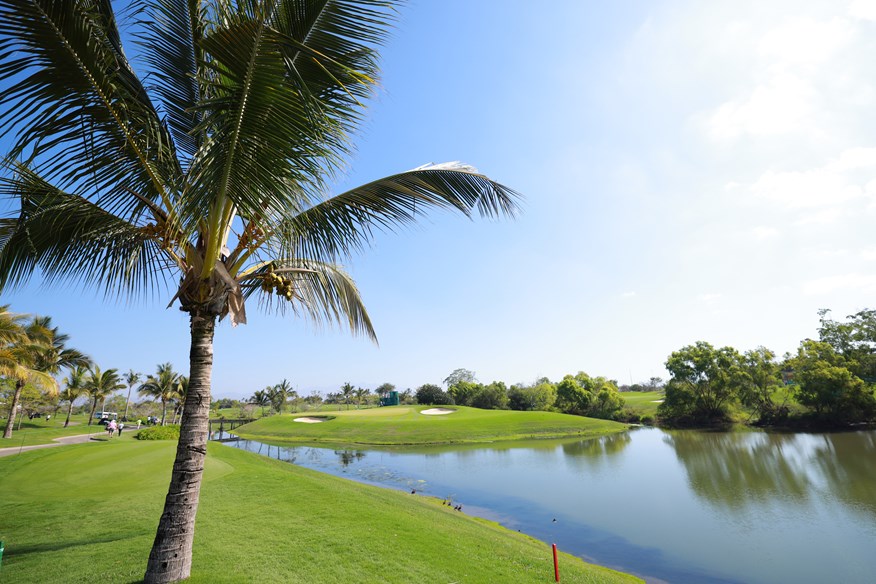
[680, 507]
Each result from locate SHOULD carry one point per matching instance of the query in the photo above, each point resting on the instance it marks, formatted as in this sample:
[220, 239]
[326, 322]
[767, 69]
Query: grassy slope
[87, 513]
[405, 425]
[643, 402]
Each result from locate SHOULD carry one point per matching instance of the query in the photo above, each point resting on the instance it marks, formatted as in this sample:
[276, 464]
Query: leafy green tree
[459, 376]
[704, 380]
[99, 384]
[762, 381]
[826, 384]
[163, 386]
[464, 392]
[605, 399]
[854, 339]
[210, 174]
[540, 396]
[491, 397]
[432, 395]
[383, 389]
[572, 398]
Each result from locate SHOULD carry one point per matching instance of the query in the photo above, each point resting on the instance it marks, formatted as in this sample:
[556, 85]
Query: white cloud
[834, 184]
[709, 298]
[628, 294]
[863, 9]
[805, 41]
[777, 107]
[862, 283]
[763, 233]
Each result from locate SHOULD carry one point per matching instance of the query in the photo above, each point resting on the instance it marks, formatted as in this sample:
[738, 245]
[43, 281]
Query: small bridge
[222, 425]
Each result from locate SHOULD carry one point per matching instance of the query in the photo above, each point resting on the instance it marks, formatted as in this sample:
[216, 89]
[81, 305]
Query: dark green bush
[170, 432]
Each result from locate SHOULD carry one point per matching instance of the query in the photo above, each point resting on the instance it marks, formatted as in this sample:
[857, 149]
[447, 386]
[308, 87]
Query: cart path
[77, 439]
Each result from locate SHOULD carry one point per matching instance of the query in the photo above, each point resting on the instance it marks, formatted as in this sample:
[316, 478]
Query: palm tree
[347, 391]
[132, 378]
[37, 355]
[261, 398]
[182, 389]
[163, 386]
[74, 386]
[211, 176]
[279, 394]
[361, 394]
[100, 384]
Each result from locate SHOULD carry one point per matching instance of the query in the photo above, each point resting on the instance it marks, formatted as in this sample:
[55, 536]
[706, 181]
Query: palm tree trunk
[93, 407]
[127, 401]
[163, 411]
[69, 412]
[171, 556]
[19, 385]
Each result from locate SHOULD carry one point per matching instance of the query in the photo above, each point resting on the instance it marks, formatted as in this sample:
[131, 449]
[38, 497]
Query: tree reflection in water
[596, 452]
[743, 469]
[348, 457]
[847, 463]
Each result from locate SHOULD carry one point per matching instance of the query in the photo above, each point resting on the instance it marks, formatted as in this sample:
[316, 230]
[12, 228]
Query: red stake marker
[556, 565]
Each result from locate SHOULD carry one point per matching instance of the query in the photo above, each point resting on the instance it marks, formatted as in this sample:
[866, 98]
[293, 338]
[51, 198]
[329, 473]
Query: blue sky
[692, 171]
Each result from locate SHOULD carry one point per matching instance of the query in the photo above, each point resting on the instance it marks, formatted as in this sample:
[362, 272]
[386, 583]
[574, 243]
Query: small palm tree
[74, 386]
[132, 378]
[163, 386]
[361, 394]
[261, 398]
[99, 384]
[182, 389]
[347, 392]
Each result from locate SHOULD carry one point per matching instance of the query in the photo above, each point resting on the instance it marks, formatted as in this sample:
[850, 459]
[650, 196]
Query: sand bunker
[437, 411]
[307, 420]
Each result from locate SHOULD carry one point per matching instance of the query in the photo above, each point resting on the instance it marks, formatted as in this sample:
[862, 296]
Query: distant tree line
[829, 381]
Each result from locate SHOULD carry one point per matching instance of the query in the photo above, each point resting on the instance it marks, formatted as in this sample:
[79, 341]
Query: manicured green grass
[643, 402]
[39, 431]
[87, 513]
[405, 425]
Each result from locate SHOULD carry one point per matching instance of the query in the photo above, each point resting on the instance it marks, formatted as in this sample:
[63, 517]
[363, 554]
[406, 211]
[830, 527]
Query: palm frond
[345, 223]
[68, 237]
[77, 109]
[172, 31]
[322, 292]
[283, 87]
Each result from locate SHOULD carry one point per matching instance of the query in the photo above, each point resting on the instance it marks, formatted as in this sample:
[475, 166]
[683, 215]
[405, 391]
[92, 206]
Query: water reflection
[738, 469]
[847, 463]
[348, 457]
[681, 507]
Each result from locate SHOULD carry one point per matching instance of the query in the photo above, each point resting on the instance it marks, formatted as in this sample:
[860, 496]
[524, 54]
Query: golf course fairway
[408, 425]
[88, 513]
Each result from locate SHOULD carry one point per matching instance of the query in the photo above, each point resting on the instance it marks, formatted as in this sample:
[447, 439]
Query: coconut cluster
[278, 283]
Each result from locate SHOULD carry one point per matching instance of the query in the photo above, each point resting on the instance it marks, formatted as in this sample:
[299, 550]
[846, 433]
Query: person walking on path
[121, 427]
[111, 427]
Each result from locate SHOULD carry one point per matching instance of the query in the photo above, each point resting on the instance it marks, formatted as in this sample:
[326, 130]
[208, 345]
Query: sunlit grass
[87, 513]
[407, 425]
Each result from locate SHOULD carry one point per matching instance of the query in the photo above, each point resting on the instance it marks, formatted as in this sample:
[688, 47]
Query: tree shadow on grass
[54, 546]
